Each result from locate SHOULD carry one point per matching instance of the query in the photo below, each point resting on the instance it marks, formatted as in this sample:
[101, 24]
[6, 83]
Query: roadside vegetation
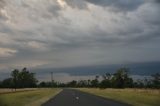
[20, 79]
[8, 90]
[120, 79]
[28, 98]
[135, 97]
[144, 92]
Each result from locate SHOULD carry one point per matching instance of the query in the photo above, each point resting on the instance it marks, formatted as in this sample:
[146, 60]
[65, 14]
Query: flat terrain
[74, 97]
[70, 97]
[136, 97]
[3, 91]
[30, 97]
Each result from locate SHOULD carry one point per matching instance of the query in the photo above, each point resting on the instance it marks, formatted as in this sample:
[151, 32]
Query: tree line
[120, 79]
[20, 79]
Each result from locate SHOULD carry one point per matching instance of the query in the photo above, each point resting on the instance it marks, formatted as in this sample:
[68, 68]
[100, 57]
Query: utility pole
[51, 79]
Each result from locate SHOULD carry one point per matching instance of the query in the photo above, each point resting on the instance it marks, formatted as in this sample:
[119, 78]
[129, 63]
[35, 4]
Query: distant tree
[48, 84]
[106, 82]
[108, 76]
[139, 84]
[128, 83]
[95, 82]
[42, 84]
[61, 85]
[15, 74]
[83, 83]
[27, 79]
[121, 78]
[23, 79]
[89, 83]
[72, 84]
[147, 83]
[156, 80]
[0, 84]
[7, 83]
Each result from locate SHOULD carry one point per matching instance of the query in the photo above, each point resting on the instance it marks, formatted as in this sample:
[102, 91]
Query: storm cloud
[119, 5]
[73, 33]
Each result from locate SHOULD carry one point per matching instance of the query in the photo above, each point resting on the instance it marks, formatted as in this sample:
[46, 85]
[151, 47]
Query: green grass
[135, 97]
[28, 98]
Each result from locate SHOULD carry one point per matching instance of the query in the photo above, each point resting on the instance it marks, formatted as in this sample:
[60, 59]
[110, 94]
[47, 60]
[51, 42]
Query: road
[70, 97]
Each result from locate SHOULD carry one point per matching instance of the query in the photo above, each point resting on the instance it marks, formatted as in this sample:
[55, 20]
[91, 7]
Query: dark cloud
[80, 4]
[135, 69]
[46, 33]
[119, 5]
[157, 1]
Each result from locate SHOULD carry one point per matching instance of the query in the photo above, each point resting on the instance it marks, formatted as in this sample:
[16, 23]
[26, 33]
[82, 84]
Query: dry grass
[29, 98]
[136, 97]
[2, 91]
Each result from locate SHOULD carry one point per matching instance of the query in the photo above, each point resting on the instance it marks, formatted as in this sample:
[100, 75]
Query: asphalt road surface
[70, 97]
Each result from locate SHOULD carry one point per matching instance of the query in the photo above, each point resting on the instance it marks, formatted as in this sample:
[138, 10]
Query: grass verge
[28, 98]
[135, 97]
[6, 91]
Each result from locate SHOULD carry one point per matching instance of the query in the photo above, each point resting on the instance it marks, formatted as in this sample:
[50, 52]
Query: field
[136, 97]
[3, 91]
[27, 97]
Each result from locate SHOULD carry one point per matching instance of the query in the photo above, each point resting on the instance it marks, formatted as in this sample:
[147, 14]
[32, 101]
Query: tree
[139, 84]
[106, 82]
[121, 79]
[23, 79]
[14, 75]
[82, 83]
[156, 80]
[88, 83]
[0, 84]
[95, 82]
[72, 83]
[147, 83]
[42, 84]
[7, 83]
[27, 78]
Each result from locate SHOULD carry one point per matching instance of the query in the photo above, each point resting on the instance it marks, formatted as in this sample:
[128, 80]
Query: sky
[62, 35]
